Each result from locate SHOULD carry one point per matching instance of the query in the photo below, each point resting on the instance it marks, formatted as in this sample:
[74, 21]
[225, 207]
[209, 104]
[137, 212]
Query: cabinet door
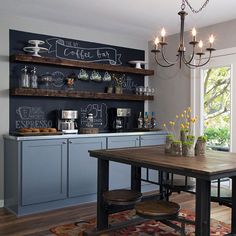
[44, 170]
[82, 167]
[120, 173]
[151, 140]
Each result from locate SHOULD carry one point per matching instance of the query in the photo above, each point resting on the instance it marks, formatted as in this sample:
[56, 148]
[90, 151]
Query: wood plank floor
[39, 224]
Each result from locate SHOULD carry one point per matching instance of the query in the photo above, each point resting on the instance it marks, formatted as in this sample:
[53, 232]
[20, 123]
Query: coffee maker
[119, 118]
[67, 121]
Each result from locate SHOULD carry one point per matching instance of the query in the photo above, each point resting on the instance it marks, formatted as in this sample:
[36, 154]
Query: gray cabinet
[152, 139]
[120, 173]
[44, 174]
[44, 171]
[82, 169]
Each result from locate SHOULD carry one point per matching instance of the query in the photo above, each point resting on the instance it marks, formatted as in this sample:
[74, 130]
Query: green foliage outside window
[217, 106]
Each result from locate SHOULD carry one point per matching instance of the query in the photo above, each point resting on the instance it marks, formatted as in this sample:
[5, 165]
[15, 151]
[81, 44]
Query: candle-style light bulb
[163, 34]
[156, 42]
[200, 45]
[211, 40]
[194, 33]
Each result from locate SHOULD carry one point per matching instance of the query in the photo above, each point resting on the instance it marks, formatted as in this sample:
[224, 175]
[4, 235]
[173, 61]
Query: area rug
[145, 229]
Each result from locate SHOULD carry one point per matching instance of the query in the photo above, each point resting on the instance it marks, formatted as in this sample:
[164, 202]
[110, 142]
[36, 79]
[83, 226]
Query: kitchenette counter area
[49, 172]
[72, 136]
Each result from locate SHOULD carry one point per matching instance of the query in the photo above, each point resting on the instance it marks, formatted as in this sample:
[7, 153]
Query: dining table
[212, 166]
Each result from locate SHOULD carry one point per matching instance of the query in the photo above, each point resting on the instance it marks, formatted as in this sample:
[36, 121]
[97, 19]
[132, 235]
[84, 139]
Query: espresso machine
[67, 121]
[119, 118]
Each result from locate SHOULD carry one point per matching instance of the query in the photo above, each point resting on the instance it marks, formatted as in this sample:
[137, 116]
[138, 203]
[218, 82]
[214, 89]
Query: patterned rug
[145, 229]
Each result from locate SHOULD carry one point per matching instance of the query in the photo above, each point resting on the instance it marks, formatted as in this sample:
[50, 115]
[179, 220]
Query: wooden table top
[213, 166]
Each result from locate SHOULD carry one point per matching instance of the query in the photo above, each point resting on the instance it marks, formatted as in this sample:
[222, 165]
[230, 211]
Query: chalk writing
[31, 117]
[71, 50]
[99, 112]
[128, 84]
[58, 79]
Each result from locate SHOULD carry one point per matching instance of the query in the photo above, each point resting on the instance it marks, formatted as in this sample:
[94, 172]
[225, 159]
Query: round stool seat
[122, 197]
[157, 209]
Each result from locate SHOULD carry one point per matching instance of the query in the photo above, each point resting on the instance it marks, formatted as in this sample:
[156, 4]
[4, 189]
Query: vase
[118, 90]
[183, 135]
[188, 150]
[176, 149]
[200, 148]
[169, 140]
[109, 89]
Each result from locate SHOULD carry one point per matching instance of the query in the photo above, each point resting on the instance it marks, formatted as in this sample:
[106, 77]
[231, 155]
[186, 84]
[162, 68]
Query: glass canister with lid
[89, 121]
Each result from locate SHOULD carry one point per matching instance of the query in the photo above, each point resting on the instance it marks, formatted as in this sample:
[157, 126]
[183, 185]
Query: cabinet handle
[70, 142]
[64, 142]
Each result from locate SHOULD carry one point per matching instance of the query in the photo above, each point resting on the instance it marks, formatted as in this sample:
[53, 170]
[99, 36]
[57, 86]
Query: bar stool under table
[160, 210]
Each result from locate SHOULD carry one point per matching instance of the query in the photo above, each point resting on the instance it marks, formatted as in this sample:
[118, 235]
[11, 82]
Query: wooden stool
[157, 210]
[122, 197]
[160, 210]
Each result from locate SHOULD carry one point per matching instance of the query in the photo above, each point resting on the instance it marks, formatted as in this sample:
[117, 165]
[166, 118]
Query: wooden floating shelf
[79, 64]
[76, 94]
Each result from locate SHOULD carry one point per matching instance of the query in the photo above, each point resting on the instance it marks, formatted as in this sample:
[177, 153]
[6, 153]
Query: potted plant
[188, 149]
[118, 84]
[169, 140]
[176, 149]
[200, 147]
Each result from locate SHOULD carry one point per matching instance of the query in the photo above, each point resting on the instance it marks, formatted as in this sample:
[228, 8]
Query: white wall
[173, 84]
[50, 28]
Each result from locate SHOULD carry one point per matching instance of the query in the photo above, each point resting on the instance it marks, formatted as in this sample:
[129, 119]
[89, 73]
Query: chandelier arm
[190, 60]
[203, 64]
[168, 62]
[158, 63]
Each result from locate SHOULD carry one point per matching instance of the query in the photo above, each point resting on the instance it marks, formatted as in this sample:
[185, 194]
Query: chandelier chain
[192, 9]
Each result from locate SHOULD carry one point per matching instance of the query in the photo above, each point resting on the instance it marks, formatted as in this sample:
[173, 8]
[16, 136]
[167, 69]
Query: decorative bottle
[153, 121]
[146, 120]
[25, 79]
[34, 79]
[140, 120]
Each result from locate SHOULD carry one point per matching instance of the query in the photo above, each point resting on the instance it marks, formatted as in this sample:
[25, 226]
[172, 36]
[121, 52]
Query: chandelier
[196, 57]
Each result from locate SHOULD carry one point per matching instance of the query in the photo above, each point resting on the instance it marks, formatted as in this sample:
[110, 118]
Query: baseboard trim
[1, 203]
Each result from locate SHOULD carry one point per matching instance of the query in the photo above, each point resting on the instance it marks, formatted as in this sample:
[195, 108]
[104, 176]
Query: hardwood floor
[39, 224]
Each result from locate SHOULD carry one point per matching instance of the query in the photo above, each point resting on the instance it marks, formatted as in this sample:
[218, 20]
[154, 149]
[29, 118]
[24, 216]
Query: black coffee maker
[119, 118]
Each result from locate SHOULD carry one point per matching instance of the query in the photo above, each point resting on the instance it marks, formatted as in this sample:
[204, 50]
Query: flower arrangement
[184, 123]
[118, 83]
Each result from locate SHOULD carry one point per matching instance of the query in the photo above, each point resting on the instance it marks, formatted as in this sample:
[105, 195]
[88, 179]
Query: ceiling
[142, 19]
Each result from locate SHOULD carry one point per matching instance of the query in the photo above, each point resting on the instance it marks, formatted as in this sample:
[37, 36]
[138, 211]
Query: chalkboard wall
[41, 111]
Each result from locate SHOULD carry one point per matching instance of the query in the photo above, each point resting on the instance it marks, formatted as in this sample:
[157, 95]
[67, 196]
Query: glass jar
[34, 79]
[25, 79]
[89, 121]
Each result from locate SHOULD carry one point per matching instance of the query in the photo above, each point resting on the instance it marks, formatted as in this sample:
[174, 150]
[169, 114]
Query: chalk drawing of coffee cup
[83, 75]
[95, 76]
[106, 77]
[24, 112]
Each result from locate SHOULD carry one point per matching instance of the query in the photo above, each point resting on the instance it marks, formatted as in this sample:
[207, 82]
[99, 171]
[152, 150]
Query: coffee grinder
[119, 118]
